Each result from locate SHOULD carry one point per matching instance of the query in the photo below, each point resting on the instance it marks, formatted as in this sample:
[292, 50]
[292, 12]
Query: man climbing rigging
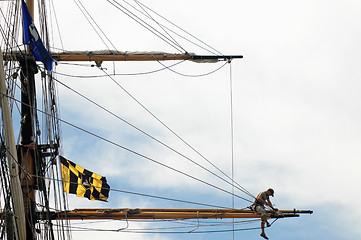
[261, 200]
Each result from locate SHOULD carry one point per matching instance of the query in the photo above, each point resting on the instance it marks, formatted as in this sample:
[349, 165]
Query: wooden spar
[122, 214]
[186, 210]
[91, 56]
[101, 56]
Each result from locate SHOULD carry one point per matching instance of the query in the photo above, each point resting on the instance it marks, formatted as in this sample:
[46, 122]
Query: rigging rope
[150, 17]
[238, 186]
[87, 16]
[232, 130]
[146, 109]
[144, 24]
[135, 152]
[210, 50]
[175, 134]
[180, 138]
[140, 194]
[142, 73]
[163, 232]
[57, 24]
[44, 28]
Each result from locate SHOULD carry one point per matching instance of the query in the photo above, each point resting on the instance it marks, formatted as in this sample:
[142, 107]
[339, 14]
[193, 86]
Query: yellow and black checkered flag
[82, 182]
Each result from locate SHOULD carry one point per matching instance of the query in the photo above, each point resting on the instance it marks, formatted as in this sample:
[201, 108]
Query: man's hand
[271, 206]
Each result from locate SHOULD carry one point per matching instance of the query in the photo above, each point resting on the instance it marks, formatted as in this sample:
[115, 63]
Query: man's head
[270, 192]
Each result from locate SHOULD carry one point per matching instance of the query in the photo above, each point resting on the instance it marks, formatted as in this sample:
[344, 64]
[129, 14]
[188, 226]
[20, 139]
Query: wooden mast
[26, 149]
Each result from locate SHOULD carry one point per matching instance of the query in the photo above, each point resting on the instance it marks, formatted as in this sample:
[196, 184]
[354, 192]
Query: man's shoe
[267, 224]
[263, 235]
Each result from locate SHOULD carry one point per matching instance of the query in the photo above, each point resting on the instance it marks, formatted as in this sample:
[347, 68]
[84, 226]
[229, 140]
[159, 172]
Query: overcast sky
[296, 111]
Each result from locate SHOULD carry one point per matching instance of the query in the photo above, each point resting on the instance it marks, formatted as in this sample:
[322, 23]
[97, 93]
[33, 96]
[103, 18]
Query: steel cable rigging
[156, 230]
[239, 187]
[146, 25]
[164, 67]
[149, 16]
[148, 158]
[208, 49]
[141, 194]
[145, 133]
[130, 14]
[180, 138]
[144, 12]
[130, 94]
[137, 153]
[134, 17]
[92, 22]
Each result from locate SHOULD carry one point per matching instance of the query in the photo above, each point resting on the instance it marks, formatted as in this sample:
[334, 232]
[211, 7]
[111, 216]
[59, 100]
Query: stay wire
[188, 75]
[160, 25]
[96, 24]
[180, 138]
[141, 73]
[185, 225]
[232, 130]
[144, 24]
[143, 132]
[214, 51]
[140, 194]
[87, 16]
[163, 232]
[132, 151]
[239, 187]
[117, 74]
[168, 128]
[57, 23]
[243, 189]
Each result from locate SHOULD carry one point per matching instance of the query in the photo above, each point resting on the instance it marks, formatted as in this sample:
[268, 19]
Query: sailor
[261, 200]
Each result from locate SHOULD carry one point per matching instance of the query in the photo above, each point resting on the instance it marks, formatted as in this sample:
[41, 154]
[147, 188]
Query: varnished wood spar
[101, 56]
[118, 57]
[185, 210]
[83, 215]
[124, 213]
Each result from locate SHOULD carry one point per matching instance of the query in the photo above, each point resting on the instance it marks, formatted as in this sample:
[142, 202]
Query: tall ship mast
[38, 180]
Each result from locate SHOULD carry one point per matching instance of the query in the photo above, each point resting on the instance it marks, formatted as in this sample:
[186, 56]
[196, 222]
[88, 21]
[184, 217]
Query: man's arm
[270, 205]
[260, 200]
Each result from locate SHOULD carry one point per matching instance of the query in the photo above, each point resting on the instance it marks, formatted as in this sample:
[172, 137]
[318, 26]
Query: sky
[295, 110]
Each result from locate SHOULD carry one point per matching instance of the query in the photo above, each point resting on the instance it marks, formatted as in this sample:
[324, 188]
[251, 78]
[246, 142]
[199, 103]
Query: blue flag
[32, 38]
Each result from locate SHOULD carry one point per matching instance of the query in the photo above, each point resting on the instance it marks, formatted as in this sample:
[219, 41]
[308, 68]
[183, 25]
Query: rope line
[163, 232]
[134, 152]
[211, 49]
[232, 131]
[144, 24]
[164, 67]
[161, 26]
[180, 138]
[139, 194]
[148, 135]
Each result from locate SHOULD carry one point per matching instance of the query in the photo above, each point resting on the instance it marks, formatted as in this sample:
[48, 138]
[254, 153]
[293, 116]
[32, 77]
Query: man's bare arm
[269, 203]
